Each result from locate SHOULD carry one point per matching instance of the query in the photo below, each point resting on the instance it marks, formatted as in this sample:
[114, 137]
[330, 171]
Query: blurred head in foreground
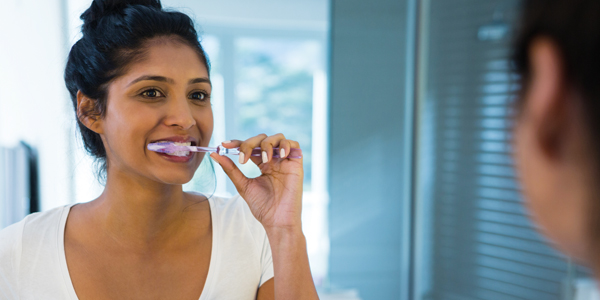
[557, 133]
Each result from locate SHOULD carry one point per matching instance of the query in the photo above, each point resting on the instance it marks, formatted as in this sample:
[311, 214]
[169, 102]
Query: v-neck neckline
[212, 267]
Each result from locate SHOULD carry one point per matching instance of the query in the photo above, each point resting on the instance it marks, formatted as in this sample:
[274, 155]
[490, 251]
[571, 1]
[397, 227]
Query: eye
[152, 93]
[199, 96]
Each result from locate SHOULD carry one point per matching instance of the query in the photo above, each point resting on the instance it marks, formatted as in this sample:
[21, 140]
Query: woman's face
[164, 97]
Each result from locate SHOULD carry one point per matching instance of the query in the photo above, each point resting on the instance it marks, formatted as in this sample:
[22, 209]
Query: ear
[88, 114]
[547, 104]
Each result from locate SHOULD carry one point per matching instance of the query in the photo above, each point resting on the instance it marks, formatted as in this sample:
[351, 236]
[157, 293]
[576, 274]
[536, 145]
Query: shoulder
[10, 244]
[29, 255]
[10, 251]
[40, 223]
[30, 228]
[242, 245]
[235, 204]
[14, 232]
[14, 240]
[234, 213]
[232, 208]
[10, 240]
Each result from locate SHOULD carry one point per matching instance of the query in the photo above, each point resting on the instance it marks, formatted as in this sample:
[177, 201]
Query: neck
[139, 213]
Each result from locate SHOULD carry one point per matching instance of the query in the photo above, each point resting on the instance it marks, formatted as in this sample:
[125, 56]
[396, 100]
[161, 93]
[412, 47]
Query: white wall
[256, 14]
[34, 104]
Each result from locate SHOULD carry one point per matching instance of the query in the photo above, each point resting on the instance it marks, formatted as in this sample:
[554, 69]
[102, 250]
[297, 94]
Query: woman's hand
[275, 197]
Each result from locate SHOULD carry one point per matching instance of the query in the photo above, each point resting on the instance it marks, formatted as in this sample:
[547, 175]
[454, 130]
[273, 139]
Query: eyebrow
[169, 80]
[200, 80]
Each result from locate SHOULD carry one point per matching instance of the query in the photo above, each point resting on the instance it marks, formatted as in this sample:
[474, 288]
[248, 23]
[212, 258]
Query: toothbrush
[170, 147]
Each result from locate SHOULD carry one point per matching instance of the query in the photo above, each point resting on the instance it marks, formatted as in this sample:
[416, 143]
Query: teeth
[183, 144]
[179, 153]
[176, 144]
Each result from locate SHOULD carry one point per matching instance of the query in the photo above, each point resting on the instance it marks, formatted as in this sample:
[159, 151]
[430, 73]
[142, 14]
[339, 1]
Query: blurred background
[403, 109]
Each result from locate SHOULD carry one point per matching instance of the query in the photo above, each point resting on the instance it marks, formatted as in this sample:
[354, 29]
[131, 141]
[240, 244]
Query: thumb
[233, 172]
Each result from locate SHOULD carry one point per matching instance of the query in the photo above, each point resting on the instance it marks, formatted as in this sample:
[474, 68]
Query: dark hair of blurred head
[574, 27]
[115, 35]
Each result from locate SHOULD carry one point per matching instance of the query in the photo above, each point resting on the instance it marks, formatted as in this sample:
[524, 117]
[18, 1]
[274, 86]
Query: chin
[175, 182]
[175, 178]
[178, 173]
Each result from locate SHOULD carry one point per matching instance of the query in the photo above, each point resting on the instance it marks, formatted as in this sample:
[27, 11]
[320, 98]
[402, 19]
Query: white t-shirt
[33, 264]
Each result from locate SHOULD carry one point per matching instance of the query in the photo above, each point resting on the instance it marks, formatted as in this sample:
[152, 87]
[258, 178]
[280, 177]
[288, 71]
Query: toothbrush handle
[257, 152]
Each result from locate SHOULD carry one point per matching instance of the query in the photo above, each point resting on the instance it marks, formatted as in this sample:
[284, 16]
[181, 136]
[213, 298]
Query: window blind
[481, 243]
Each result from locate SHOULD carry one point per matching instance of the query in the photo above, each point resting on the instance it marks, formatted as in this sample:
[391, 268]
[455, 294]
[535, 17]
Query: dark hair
[115, 34]
[574, 27]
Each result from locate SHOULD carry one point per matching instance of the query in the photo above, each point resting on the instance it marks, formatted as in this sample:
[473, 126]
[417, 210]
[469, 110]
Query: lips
[177, 159]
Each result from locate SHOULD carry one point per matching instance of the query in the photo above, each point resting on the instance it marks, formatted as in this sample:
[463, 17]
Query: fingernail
[215, 160]
[226, 142]
[282, 153]
[241, 157]
[265, 157]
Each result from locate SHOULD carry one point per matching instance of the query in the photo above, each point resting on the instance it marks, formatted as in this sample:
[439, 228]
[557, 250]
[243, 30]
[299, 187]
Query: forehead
[170, 58]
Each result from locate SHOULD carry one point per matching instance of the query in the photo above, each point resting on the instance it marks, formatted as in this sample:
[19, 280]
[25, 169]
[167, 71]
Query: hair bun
[102, 8]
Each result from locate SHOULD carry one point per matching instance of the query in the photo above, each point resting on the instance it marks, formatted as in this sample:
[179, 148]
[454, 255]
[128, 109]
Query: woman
[557, 139]
[139, 75]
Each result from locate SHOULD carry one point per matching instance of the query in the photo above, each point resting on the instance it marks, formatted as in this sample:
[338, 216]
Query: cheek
[544, 193]
[127, 127]
[520, 150]
[529, 173]
[205, 122]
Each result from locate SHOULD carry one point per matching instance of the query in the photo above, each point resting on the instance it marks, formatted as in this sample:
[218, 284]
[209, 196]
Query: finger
[248, 145]
[231, 144]
[235, 144]
[284, 148]
[240, 181]
[292, 145]
[268, 144]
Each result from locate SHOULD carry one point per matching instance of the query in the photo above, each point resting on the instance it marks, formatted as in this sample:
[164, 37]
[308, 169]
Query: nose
[180, 114]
